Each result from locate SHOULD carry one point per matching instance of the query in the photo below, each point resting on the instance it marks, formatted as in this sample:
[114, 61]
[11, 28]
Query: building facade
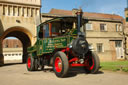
[12, 43]
[19, 18]
[104, 32]
[12, 50]
[126, 30]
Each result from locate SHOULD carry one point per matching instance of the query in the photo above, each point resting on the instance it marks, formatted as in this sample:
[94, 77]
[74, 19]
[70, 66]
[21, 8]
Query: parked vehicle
[61, 44]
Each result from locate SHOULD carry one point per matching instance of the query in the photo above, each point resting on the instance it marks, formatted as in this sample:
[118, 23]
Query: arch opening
[23, 36]
[12, 50]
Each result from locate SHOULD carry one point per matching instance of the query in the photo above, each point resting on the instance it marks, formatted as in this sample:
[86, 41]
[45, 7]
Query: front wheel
[92, 63]
[60, 64]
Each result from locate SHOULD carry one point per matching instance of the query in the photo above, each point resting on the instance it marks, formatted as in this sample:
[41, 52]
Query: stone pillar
[19, 11]
[33, 12]
[11, 10]
[38, 12]
[25, 12]
[6, 10]
[1, 8]
[1, 54]
[29, 12]
[16, 10]
[25, 54]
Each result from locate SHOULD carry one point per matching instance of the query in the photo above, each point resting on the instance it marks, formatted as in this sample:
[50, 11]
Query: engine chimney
[79, 14]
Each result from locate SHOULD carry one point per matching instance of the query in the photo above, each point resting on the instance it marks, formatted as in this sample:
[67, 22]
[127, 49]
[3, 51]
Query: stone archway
[22, 34]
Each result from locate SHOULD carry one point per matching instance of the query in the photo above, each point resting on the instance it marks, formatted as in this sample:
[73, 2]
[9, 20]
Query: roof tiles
[87, 14]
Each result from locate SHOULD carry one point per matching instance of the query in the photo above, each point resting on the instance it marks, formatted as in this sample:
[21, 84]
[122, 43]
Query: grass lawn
[115, 66]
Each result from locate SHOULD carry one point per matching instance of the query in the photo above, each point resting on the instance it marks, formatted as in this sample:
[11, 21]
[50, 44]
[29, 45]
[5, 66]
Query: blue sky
[98, 6]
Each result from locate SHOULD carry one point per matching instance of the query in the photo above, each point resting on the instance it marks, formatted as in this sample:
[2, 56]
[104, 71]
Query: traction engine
[61, 44]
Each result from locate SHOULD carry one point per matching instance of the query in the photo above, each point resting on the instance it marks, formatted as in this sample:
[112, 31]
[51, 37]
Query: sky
[97, 6]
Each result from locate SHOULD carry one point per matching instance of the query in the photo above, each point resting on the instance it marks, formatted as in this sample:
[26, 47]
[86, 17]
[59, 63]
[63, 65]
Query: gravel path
[18, 75]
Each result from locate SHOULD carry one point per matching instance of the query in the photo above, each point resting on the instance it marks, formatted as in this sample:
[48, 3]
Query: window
[89, 26]
[103, 27]
[19, 53]
[118, 43]
[118, 27]
[46, 29]
[6, 46]
[9, 54]
[16, 46]
[99, 47]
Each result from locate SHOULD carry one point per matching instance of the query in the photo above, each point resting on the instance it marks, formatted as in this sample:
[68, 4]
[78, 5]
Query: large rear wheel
[92, 63]
[60, 64]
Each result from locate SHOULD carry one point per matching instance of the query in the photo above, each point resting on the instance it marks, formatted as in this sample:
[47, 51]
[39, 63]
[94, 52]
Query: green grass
[115, 66]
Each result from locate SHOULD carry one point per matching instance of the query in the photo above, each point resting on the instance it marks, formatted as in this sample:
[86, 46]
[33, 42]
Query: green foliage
[115, 66]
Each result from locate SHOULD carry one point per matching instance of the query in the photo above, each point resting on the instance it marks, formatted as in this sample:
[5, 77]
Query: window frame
[91, 26]
[100, 46]
[104, 27]
[119, 28]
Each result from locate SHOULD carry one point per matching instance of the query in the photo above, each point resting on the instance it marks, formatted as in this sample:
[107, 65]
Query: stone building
[104, 32]
[126, 30]
[12, 50]
[19, 18]
[12, 43]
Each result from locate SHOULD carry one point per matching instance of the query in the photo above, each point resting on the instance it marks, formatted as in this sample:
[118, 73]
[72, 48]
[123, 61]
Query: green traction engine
[61, 43]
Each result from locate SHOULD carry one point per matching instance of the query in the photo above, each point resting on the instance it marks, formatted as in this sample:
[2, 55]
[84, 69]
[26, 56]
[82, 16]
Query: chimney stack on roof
[74, 11]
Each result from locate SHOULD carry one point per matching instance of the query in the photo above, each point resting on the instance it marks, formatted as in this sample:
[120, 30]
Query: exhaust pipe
[79, 14]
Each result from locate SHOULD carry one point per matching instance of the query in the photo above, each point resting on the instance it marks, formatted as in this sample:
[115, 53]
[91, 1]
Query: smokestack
[79, 14]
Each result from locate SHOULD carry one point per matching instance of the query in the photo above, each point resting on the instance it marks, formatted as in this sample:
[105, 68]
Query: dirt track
[18, 75]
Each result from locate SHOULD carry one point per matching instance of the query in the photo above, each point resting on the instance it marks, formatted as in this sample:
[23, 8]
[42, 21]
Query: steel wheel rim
[58, 65]
[29, 62]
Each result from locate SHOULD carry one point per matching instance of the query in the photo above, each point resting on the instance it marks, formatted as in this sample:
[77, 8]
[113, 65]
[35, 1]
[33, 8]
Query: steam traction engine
[61, 44]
